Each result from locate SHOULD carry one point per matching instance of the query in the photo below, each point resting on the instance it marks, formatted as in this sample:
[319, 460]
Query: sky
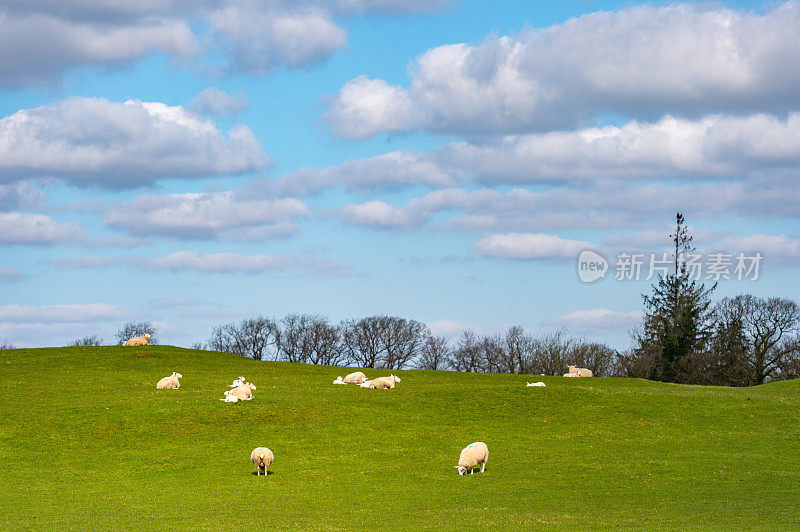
[196, 162]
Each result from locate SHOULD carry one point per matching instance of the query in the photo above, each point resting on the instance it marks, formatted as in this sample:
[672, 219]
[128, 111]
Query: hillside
[86, 441]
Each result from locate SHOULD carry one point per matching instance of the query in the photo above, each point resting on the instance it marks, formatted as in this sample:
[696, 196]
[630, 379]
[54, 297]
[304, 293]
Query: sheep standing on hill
[243, 392]
[170, 383]
[137, 340]
[384, 383]
[471, 456]
[261, 458]
[355, 378]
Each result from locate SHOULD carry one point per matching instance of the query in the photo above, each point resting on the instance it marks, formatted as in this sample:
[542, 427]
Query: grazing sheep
[170, 383]
[238, 382]
[261, 458]
[535, 384]
[339, 380]
[230, 398]
[355, 378]
[243, 392]
[384, 383]
[471, 456]
[137, 340]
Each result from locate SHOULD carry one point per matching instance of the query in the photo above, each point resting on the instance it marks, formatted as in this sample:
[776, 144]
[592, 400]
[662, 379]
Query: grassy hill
[86, 441]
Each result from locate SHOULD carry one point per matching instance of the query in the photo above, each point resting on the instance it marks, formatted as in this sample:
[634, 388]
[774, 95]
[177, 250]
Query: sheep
[583, 372]
[535, 384]
[355, 378]
[339, 380]
[384, 383]
[471, 456]
[243, 392]
[170, 383]
[365, 384]
[238, 382]
[261, 458]
[571, 375]
[229, 397]
[137, 340]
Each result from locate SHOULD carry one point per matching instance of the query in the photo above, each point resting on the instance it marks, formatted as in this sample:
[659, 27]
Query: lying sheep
[243, 392]
[339, 380]
[238, 382]
[365, 384]
[471, 456]
[384, 383]
[261, 458]
[230, 398]
[583, 372]
[137, 340]
[355, 378]
[535, 384]
[170, 383]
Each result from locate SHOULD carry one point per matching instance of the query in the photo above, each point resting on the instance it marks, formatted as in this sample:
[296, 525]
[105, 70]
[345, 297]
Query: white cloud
[213, 101]
[220, 215]
[527, 246]
[377, 214]
[599, 319]
[775, 249]
[21, 195]
[638, 61]
[60, 313]
[38, 229]
[192, 261]
[92, 141]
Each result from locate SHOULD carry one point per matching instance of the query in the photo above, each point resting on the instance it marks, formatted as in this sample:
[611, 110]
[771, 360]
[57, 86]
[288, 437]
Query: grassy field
[86, 441]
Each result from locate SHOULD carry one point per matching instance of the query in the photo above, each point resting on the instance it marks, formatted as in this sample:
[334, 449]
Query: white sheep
[384, 383]
[339, 380]
[261, 458]
[365, 384]
[243, 392]
[170, 383]
[238, 382]
[583, 372]
[471, 456]
[535, 384]
[229, 397]
[355, 378]
[137, 340]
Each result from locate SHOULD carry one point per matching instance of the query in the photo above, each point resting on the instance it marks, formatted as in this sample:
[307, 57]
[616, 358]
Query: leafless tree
[468, 353]
[362, 341]
[5, 344]
[598, 358]
[311, 339]
[434, 353]
[550, 353]
[252, 337]
[516, 355]
[400, 340]
[133, 329]
[87, 341]
[493, 353]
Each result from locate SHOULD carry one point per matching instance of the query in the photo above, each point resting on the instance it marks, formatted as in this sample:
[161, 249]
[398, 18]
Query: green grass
[86, 441]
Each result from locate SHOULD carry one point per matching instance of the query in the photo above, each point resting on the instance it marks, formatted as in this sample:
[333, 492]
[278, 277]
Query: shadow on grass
[254, 473]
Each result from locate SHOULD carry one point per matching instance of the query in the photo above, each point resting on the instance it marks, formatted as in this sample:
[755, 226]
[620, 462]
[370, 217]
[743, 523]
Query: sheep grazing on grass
[535, 384]
[137, 340]
[238, 382]
[472, 456]
[170, 383]
[384, 383]
[243, 392]
[339, 380]
[355, 378]
[261, 458]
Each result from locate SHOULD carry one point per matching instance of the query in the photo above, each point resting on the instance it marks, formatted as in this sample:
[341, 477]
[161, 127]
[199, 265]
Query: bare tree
[516, 355]
[5, 344]
[492, 353]
[400, 340]
[252, 337]
[550, 353]
[199, 346]
[597, 357]
[133, 329]
[87, 341]
[362, 341]
[311, 339]
[434, 353]
[468, 354]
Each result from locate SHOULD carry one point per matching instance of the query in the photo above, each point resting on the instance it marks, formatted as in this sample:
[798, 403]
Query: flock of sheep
[473, 455]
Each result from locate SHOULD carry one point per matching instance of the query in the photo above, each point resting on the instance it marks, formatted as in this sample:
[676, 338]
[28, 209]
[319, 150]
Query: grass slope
[86, 441]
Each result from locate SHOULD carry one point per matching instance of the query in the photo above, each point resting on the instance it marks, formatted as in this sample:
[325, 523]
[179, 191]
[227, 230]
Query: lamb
[365, 384]
[137, 340]
[243, 392]
[471, 456]
[355, 378]
[261, 458]
[535, 384]
[238, 382]
[170, 383]
[339, 380]
[384, 383]
[229, 397]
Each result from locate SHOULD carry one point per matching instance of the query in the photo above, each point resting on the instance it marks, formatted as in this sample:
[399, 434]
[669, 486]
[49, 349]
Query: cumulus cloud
[21, 195]
[38, 229]
[599, 319]
[192, 261]
[528, 246]
[377, 214]
[214, 101]
[60, 313]
[95, 142]
[218, 215]
[638, 61]
[775, 249]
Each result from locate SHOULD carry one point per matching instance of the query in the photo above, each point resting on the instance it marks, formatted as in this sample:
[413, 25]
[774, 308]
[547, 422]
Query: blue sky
[193, 163]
